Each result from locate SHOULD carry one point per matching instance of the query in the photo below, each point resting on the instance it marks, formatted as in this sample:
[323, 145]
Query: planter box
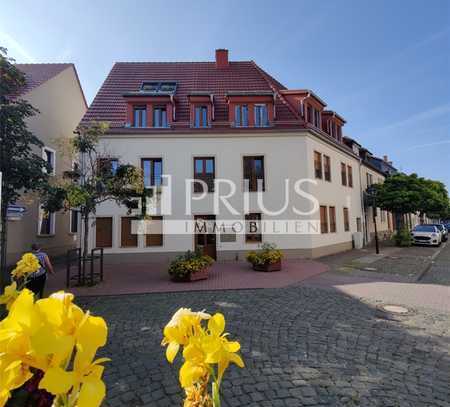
[199, 275]
[268, 267]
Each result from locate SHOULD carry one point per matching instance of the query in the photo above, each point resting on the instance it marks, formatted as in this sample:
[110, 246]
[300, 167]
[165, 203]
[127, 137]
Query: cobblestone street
[303, 346]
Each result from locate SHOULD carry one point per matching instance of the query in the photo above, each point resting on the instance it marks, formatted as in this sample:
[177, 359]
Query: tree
[93, 180]
[403, 194]
[434, 201]
[400, 194]
[22, 169]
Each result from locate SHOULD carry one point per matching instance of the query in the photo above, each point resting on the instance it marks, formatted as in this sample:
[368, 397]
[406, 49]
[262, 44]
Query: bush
[403, 238]
[269, 254]
[190, 262]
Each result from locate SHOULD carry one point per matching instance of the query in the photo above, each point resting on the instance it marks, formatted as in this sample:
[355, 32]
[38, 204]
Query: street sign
[15, 212]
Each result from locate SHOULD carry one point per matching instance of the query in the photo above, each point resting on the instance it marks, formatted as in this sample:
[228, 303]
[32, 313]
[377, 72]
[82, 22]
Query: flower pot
[199, 275]
[268, 267]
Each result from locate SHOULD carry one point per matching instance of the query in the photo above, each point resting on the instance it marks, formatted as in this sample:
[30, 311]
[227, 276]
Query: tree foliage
[401, 194]
[23, 170]
[92, 180]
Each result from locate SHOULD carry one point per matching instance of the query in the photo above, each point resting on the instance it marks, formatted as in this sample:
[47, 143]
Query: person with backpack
[37, 280]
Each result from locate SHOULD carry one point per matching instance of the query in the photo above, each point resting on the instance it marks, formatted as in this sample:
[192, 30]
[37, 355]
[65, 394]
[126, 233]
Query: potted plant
[266, 259]
[191, 266]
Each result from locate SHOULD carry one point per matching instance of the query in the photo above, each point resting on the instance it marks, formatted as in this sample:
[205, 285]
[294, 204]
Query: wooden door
[103, 232]
[127, 239]
[205, 241]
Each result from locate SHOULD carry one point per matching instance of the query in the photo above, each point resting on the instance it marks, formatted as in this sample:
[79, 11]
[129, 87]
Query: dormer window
[317, 118]
[139, 116]
[201, 116]
[261, 116]
[159, 87]
[309, 113]
[313, 116]
[241, 116]
[160, 117]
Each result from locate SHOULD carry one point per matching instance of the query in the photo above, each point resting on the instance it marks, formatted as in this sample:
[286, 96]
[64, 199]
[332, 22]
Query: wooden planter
[199, 275]
[268, 267]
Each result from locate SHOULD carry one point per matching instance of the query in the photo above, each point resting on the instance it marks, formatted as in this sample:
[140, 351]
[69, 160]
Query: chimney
[385, 158]
[221, 58]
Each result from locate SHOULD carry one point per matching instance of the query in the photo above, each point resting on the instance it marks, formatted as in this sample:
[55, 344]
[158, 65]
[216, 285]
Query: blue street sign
[15, 211]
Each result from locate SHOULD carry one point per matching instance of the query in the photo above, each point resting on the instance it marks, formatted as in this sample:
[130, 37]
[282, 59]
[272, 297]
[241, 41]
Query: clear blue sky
[383, 65]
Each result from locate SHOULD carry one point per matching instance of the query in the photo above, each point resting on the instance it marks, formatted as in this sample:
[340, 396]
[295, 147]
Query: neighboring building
[373, 170]
[225, 119]
[53, 89]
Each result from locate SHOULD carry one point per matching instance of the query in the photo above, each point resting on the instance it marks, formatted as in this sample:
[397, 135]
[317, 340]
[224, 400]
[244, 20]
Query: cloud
[416, 118]
[15, 49]
[436, 143]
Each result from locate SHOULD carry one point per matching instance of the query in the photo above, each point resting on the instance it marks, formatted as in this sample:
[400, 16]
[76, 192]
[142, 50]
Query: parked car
[426, 234]
[447, 226]
[443, 230]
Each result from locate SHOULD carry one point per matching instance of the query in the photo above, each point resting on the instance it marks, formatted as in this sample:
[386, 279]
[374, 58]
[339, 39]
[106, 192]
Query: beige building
[55, 90]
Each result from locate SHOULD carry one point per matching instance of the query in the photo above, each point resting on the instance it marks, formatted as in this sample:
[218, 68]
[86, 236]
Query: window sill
[49, 235]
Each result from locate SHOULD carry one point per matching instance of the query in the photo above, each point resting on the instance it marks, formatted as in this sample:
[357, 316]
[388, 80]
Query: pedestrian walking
[37, 280]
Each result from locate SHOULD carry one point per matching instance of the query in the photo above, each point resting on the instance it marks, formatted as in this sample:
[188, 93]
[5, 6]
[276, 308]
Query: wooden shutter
[332, 211]
[350, 176]
[323, 219]
[127, 239]
[103, 232]
[318, 164]
[344, 174]
[346, 220]
[155, 239]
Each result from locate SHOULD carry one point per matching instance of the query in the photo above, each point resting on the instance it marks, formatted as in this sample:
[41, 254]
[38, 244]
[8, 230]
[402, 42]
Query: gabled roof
[37, 74]
[109, 104]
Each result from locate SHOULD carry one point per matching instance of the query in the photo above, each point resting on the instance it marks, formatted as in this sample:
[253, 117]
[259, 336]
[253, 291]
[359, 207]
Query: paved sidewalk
[153, 278]
[388, 285]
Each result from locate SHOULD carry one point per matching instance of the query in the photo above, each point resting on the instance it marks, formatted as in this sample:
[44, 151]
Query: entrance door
[103, 232]
[204, 241]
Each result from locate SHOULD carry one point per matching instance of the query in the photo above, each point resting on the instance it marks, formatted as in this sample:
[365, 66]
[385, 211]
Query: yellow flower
[43, 335]
[28, 264]
[84, 382]
[10, 295]
[184, 324]
[219, 349]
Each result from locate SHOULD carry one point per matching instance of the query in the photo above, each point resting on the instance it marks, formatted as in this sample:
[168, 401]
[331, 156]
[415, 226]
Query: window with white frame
[241, 116]
[49, 156]
[46, 223]
[261, 116]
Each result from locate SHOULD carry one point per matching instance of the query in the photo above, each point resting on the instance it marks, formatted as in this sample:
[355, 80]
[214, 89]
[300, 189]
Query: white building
[226, 120]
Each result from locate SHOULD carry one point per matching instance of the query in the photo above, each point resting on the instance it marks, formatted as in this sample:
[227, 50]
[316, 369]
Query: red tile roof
[37, 74]
[109, 104]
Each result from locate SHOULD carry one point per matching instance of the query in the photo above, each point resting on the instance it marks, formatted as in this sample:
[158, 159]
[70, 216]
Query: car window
[424, 228]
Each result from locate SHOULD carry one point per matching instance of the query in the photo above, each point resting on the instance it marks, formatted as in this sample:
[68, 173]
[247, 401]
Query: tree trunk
[4, 277]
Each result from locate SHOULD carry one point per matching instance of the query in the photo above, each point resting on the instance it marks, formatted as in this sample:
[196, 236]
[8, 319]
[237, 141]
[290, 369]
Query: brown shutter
[323, 219]
[155, 239]
[103, 232]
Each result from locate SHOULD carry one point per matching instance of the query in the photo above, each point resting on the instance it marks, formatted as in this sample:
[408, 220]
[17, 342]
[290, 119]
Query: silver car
[426, 235]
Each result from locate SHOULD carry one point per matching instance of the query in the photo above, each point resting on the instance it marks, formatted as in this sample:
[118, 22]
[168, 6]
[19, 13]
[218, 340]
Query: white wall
[285, 156]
